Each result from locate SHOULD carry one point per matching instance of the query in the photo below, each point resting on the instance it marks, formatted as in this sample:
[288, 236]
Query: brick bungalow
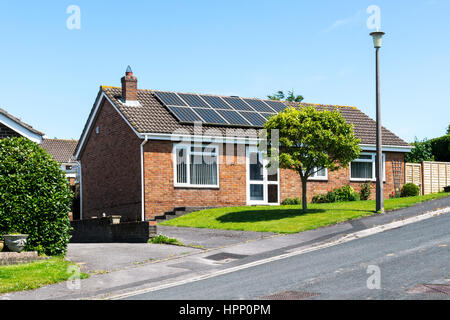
[135, 161]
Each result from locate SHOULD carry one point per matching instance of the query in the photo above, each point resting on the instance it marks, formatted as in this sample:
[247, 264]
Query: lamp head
[377, 35]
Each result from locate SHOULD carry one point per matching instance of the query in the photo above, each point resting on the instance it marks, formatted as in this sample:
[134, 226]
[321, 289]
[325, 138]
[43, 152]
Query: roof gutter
[143, 180]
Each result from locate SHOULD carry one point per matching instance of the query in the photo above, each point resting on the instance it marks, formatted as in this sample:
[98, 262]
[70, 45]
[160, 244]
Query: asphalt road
[412, 255]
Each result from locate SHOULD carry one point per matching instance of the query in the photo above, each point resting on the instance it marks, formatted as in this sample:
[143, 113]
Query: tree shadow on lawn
[269, 215]
[264, 215]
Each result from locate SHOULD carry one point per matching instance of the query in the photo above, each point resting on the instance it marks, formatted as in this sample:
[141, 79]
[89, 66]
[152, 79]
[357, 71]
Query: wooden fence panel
[413, 174]
[431, 177]
[435, 176]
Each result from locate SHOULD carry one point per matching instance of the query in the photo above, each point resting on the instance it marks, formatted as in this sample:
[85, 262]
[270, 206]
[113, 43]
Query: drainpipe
[80, 181]
[143, 180]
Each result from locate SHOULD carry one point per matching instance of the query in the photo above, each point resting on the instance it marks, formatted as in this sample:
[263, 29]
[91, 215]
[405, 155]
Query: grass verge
[35, 274]
[162, 239]
[289, 219]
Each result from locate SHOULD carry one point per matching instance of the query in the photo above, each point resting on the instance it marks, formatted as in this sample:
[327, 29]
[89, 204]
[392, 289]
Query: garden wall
[103, 230]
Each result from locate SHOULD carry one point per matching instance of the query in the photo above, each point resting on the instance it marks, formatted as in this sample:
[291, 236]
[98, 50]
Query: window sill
[182, 186]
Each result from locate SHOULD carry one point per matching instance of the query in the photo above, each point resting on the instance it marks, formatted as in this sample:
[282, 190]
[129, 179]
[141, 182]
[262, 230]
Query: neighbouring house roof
[20, 127]
[61, 150]
[151, 116]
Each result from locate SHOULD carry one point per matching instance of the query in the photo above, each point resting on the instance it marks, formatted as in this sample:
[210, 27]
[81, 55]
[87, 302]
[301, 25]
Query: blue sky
[321, 49]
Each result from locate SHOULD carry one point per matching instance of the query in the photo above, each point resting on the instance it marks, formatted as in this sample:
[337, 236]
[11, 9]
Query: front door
[262, 188]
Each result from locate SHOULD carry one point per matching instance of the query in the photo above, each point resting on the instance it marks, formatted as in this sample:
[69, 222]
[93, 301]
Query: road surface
[415, 254]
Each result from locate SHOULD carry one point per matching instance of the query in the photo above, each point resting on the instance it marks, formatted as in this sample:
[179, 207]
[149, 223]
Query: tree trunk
[304, 201]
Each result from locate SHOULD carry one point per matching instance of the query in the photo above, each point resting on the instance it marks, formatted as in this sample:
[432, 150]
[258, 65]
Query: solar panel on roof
[169, 98]
[277, 105]
[267, 115]
[254, 118]
[216, 102]
[210, 116]
[184, 114]
[233, 117]
[238, 103]
[259, 105]
[194, 100]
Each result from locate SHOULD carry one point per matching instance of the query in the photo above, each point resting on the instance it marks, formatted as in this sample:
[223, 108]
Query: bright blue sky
[321, 49]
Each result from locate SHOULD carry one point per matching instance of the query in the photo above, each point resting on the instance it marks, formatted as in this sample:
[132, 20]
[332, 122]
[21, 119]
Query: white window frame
[265, 182]
[189, 152]
[319, 178]
[372, 160]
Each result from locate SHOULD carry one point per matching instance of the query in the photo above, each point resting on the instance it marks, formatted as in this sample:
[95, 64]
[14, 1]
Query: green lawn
[289, 219]
[35, 274]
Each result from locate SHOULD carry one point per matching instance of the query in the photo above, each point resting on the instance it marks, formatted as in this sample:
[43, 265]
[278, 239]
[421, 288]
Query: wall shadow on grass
[264, 215]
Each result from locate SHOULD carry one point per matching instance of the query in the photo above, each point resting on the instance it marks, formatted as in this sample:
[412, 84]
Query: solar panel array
[216, 110]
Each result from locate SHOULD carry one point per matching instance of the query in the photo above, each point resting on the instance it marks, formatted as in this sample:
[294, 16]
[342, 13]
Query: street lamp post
[377, 35]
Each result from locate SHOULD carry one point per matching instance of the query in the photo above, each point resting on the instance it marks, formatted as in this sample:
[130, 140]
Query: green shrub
[441, 148]
[319, 198]
[291, 201]
[410, 190]
[366, 191]
[35, 196]
[345, 193]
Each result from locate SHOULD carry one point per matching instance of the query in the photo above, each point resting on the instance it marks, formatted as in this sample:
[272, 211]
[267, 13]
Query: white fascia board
[243, 140]
[20, 129]
[370, 147]
[91, 122]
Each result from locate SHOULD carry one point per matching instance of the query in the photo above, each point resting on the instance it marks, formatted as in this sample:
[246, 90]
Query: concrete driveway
[106, 257]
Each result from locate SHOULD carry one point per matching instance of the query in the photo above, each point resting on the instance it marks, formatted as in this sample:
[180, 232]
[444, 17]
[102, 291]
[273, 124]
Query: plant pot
[115, 219]
[1, 245]
[15, 242]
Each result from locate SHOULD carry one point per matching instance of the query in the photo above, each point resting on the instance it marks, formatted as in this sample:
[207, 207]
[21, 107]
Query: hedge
[35, 196]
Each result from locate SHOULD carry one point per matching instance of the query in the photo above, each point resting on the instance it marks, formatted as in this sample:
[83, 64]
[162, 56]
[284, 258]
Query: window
[363, 168]
[196, 166]
[321, 174]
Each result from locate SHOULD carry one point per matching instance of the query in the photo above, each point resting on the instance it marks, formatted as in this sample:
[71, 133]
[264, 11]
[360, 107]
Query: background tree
[448, 129]
[35, 196]
[289, 97]
[277, 96]
[422, 151]
[309, 140]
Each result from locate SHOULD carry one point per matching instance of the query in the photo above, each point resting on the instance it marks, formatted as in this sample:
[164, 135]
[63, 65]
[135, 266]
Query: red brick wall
[111, 170]
[111, 175]
[162, 196]
[291, 184]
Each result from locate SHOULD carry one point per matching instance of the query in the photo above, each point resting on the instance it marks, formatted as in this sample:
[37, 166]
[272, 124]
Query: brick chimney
[129, 86]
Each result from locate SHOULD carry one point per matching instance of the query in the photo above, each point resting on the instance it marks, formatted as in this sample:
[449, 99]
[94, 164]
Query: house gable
[110, 167]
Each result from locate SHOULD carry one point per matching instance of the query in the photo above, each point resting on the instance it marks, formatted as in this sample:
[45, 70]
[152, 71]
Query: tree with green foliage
[448, 129]
[35, 196]
[309, 140]
[289, 97]
[422, 151]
